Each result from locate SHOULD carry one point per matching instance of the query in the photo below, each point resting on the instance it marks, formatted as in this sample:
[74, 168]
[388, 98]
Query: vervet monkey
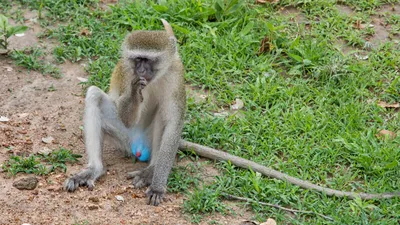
[146, 93]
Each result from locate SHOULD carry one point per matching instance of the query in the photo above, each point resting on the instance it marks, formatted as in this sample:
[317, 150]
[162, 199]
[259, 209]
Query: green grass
[31, 58]
[184, 178]
[310, 109]
[40, 164]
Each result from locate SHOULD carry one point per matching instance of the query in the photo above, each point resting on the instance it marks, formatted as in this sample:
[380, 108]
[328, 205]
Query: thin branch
[228, 196]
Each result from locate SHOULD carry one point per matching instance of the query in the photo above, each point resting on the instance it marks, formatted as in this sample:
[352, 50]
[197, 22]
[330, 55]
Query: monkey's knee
[93, 94]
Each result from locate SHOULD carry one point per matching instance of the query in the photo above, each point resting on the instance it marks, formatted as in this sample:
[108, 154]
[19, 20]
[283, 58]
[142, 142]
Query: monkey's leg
[100, 118]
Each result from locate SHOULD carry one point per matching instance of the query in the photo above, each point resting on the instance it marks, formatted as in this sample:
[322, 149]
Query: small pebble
[119, 198]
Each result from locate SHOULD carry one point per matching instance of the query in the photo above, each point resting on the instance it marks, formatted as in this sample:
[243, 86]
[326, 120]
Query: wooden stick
[246, 164]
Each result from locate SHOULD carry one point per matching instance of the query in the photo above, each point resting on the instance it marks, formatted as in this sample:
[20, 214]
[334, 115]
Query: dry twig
[246, 164]
[228, 196]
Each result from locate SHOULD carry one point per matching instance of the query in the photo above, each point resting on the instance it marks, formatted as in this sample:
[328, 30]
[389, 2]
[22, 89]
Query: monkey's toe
[70, 185]
[86, 177]
[74, 182]
[141, 181]
[155, 197]
[141, 178]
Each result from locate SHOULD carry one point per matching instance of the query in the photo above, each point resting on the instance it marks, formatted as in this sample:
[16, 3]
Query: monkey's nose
[138, 154]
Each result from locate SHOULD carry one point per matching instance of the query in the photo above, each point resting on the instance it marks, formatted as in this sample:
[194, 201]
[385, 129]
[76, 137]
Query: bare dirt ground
[40, 106]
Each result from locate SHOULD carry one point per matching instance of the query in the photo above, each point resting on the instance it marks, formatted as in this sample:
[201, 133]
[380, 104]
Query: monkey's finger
[156, 199]
[90, 185]
[139, 183]
[70, 185]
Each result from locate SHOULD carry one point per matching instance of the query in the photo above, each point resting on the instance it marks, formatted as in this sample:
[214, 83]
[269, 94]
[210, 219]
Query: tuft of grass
[183, 178]
[30, 58]
[59, 159]
[204, 200]
[40, 164]
[30, 164]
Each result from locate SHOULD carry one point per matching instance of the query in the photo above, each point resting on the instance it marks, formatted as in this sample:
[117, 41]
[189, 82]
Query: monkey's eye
[137, 60]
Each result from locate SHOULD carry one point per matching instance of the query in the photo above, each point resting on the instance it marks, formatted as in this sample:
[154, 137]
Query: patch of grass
[59, 158]
[183, 178]
[40, 164]
[31, 58]
[30, 164]
[204, 201]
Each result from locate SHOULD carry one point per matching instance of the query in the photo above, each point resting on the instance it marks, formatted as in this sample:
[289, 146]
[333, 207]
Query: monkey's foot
[155, 195]
[141, 178]
[86, 177]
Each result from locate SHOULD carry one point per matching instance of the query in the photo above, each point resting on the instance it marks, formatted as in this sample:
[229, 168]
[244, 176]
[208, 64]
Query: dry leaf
[119, 198]
[4, 119]
[8, 68]
[358, 25]
[269, 221]
[265, 1]
[22, 131]
[387, 105]
[265, 46]
[386, 133]
[248, 222]
[82, 79]
[48, 140]
[361, 57]
[221, 114]
[85, 32]
[45, 151]
[238, 104]
[23, 115]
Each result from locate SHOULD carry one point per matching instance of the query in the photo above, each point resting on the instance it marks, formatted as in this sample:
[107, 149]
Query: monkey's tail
[168, 28]
[246, 164]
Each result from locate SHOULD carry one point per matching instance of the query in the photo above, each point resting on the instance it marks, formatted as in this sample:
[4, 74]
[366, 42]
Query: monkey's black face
[144, 67]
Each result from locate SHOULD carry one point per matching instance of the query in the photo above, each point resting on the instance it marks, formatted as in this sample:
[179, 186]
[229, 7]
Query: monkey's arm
[246, 164]
[128, 102]
[165, 159]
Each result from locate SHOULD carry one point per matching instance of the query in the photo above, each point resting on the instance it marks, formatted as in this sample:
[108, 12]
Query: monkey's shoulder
[119, 78]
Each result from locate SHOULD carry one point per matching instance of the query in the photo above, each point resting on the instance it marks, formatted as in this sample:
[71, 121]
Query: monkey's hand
[155, 195]
[137, 85]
